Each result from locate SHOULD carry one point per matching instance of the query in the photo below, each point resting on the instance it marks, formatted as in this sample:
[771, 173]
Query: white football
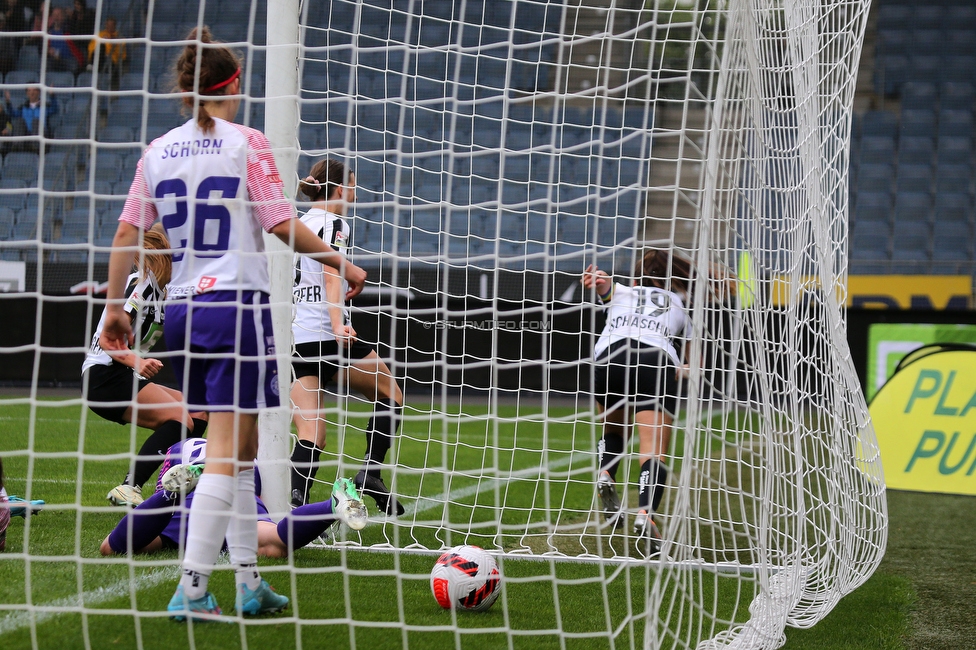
[466, 578]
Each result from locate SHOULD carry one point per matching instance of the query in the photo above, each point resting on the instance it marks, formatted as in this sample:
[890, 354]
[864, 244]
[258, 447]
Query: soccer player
[159, 523]
[637, 369]
[326, 347]
[215, 185]
[110, 380]
[4, 511]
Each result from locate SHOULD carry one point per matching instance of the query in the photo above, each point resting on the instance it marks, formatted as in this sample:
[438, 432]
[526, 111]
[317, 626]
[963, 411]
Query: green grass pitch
[344, 596]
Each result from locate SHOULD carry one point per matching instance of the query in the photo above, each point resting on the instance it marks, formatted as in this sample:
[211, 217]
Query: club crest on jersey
[206, 282]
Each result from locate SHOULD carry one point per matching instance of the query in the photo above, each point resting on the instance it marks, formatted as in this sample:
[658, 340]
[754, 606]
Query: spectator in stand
[9, 46]
[81, 22]
[6, 128]
[110, 55]
[62, 53]
[16, 14]
[26, 119]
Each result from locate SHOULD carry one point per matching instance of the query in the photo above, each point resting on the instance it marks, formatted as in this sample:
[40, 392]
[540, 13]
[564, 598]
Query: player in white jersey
[326, 347]
[637, 367]
[215, 186]
[110, 381]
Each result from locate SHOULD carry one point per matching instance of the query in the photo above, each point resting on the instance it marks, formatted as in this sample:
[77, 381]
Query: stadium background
[911, 188]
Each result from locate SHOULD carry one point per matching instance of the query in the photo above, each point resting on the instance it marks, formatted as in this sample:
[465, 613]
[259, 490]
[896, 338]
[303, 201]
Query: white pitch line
[81, 602]
[429, 503]
[73, 604]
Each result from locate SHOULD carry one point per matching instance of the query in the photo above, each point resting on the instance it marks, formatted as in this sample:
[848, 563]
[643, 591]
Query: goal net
[500, 148]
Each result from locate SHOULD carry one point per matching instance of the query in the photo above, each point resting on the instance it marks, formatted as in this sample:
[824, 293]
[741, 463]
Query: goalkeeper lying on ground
[160, 521]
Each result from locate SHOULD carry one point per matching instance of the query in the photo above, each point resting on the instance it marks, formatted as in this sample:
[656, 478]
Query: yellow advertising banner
[925, 421]
[910, 291]
[927, 292]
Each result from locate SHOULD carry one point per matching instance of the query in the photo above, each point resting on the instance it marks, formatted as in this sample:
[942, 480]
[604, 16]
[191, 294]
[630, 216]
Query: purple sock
[305, 523]
[148, 521]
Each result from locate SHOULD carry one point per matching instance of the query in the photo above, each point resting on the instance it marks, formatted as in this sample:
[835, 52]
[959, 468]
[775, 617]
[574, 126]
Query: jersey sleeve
[264, 187]
[139, 209]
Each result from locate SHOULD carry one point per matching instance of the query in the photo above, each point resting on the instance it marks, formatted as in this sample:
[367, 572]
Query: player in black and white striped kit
[326, 347]
[638, 362]
[110, 383]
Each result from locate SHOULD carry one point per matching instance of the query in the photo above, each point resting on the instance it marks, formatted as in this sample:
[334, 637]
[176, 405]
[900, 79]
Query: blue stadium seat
[918, 95]
[958, 40]
[955, 122]
[875, 177]
[890, 73]
[952, 240]
[29, 59]
[910, 241]
[954, 207]
[918, 122]
[894, 17]
[956, 68]
[912, 206]
[22, 166]
[926, 40]
[877, 149]
[954, 178]
[880, 123]
[915, 149]
[925, 66]
[927, 16]
[954, 150]
[956, 94]
[913, 178]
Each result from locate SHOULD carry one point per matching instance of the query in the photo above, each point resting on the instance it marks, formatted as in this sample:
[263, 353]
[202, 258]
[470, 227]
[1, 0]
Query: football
[465, 578]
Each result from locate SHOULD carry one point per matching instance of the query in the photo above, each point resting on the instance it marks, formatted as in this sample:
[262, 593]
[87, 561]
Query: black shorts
[110, 390]
[322, 359]
[638, 375]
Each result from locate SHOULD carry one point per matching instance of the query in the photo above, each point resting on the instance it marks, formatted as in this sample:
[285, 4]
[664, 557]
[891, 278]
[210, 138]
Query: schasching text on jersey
[192, 148]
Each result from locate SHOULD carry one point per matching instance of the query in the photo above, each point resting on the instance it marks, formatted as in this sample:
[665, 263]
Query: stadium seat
[29, 59]
[21, 165]
[912, 206]
[880, 123]
[955, 122]
[954, 207]
[954, 178]
[877, 149]
[918, 95]
[910, 242]
[954, 150]
[915, 149]
[952, 240]
[956, 94]
[918, 122]
[875, 177]
[925, 66]
[894, 17]
[913, 178]
[956, 40]
[926, 40]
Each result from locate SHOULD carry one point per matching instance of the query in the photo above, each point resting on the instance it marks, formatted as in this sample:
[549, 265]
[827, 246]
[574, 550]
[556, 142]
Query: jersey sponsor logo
[181, 291]
[206, 282]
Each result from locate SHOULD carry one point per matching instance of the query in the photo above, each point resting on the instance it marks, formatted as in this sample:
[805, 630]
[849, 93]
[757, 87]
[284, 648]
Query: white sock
[206, 525]
[242, 533]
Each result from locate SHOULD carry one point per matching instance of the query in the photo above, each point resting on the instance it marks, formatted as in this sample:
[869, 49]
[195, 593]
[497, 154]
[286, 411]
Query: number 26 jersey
[214, 192]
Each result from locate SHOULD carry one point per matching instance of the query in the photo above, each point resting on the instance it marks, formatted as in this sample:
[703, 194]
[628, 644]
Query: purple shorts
[174, 535]
[227, 359]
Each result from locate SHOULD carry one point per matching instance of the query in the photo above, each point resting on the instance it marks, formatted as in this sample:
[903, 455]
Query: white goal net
[499, 148]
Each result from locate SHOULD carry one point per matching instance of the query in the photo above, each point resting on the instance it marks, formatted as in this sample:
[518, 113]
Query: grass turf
[917, 600]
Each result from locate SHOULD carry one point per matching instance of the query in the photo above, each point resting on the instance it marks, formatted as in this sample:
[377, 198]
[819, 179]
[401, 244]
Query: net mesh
[499, 149]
